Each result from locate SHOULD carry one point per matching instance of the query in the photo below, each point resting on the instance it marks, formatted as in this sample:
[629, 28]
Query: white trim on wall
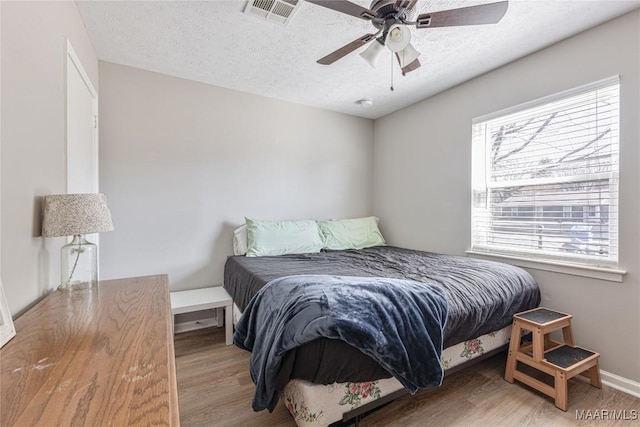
[608, 274]
[73, 59]
[620, 383]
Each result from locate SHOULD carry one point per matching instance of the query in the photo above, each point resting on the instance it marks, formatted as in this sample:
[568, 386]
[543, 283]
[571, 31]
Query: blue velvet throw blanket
[396, 322]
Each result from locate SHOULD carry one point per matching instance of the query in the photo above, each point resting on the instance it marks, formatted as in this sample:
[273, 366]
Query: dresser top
[102, 356]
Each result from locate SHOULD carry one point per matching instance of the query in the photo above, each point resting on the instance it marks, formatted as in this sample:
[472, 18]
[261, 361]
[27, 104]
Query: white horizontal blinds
[545, 177]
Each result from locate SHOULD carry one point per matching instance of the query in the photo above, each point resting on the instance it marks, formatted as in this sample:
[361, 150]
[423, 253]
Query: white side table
[205, 299]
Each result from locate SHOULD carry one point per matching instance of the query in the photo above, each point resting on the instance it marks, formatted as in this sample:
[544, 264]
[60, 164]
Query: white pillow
[269, 238]
[240, 240]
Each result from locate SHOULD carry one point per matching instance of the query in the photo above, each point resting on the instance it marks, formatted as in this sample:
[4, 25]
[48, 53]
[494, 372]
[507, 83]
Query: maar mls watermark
[607, 414]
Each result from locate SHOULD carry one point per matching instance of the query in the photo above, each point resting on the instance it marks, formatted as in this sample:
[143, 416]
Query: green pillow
[356, 233]
[265, 238]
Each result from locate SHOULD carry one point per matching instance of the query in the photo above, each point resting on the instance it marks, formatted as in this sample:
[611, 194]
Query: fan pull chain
[391, 72]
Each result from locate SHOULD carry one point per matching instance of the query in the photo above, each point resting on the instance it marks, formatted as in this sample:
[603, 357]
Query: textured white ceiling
[215, 42]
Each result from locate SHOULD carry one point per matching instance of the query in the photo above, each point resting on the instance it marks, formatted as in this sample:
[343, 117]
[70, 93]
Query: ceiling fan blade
[406, 4]
[347, 7]
[410, 67]
[414, 65]
[472, 15]
[346, 49]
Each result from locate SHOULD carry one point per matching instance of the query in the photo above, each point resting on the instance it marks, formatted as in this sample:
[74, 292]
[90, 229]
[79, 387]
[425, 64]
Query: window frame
[581, 265]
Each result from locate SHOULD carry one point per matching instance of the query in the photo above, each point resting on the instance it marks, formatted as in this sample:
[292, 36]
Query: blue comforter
[396, 322]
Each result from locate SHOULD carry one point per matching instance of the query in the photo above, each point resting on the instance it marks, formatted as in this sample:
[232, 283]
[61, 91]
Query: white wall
[425, 150]
[182, 163]
[33, 91]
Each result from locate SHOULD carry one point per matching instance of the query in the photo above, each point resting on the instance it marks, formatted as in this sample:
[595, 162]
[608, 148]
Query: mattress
[482, 295]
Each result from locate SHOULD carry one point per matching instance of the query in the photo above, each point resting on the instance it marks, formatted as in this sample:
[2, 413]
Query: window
[545, 178]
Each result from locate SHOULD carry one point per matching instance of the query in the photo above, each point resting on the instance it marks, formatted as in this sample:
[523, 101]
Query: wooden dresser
[99, 357]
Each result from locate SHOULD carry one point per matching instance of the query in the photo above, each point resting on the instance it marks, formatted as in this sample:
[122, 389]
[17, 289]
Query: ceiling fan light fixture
[372, 53]
[398, 38]
[407, 55]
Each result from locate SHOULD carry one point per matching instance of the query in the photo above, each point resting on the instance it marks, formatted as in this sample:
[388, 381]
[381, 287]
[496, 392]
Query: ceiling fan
[392, 19]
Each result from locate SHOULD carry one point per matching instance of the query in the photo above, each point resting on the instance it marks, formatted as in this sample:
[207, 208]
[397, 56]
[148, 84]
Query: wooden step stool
[561, 360]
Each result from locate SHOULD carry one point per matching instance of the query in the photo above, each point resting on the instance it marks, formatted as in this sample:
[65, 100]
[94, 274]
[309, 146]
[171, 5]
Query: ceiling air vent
[279, 11]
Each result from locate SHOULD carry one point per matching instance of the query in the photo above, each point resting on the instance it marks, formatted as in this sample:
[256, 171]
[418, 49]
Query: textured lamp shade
[73, 214]
[76, 215]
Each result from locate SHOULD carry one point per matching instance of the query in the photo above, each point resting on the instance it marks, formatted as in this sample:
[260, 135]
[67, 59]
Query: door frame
[72, 59]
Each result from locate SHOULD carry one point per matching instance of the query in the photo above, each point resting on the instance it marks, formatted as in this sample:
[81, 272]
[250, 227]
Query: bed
[327, 380]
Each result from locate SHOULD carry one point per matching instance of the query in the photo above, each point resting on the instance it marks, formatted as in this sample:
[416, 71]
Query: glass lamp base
[78, 265]
[75, 286]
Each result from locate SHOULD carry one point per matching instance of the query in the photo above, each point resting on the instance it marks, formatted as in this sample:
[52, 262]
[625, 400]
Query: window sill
[602, 273]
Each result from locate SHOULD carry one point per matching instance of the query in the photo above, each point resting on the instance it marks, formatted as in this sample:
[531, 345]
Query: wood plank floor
[215, 389]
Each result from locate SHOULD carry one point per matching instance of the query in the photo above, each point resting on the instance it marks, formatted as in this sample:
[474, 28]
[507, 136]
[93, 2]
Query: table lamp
[76, 215]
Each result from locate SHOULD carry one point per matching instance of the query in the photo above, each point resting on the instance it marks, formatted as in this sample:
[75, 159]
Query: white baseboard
[195, 324]
[620, 383]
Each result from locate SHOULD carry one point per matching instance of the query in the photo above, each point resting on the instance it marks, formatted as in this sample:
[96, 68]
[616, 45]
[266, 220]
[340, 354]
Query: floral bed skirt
[320, 405]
